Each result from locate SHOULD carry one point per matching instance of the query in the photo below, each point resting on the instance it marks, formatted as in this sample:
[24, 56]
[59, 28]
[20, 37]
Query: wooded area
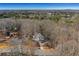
[30, 33]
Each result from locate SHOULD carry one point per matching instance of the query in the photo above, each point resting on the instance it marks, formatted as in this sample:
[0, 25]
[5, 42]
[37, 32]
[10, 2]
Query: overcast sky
[39, 6]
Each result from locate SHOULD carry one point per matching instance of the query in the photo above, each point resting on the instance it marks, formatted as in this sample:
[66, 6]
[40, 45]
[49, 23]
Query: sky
[38, 6]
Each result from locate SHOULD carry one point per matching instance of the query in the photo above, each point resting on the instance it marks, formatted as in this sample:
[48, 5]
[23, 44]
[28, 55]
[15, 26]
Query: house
[44, 43]
[38, 37]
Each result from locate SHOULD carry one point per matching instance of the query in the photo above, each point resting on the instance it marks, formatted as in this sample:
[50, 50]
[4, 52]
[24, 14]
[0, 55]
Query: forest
[39, 32]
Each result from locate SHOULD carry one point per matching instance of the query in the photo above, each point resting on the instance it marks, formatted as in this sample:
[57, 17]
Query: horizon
[39, 6]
